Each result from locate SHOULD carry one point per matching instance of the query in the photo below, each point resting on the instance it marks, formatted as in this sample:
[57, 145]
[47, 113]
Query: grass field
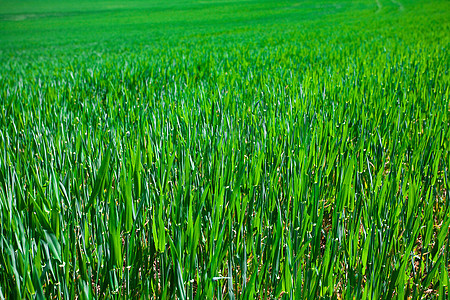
[224, 149]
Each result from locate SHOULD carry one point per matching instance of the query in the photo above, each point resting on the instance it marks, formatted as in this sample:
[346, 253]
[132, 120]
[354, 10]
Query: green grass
[224, 149]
